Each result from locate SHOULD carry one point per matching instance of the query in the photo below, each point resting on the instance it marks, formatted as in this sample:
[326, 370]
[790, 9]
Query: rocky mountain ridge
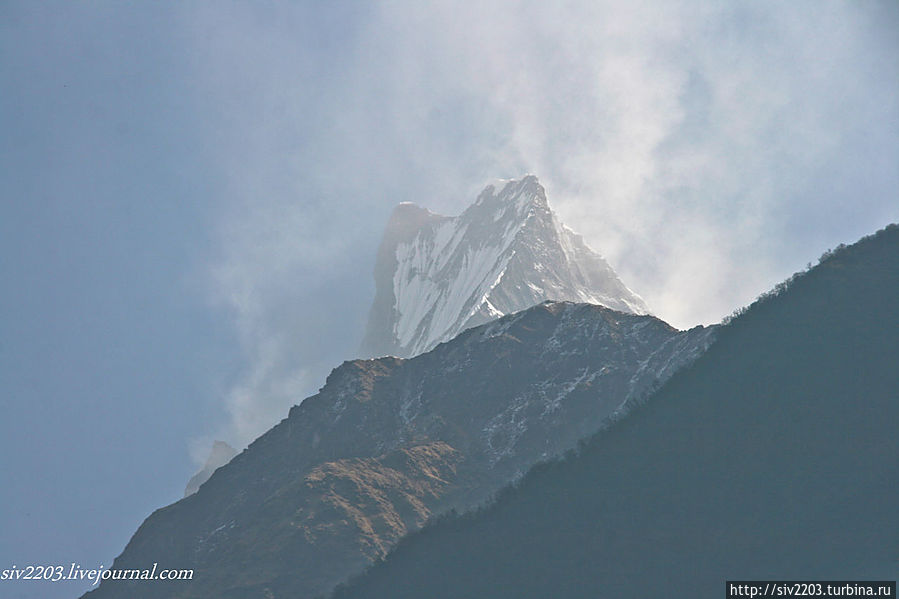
[388, 443]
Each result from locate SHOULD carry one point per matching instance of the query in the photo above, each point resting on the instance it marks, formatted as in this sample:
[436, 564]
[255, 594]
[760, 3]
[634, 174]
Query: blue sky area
[193, 193]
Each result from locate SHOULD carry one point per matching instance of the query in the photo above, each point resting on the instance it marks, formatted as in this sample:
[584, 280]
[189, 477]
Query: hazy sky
[193, 194]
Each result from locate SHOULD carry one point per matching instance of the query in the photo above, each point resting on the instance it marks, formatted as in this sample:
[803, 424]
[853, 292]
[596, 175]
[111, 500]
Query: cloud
[707, 150]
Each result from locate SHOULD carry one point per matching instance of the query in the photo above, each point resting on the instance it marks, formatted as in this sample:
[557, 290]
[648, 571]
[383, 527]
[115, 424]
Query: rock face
[220, 454]
[389, 442]
[436, 276]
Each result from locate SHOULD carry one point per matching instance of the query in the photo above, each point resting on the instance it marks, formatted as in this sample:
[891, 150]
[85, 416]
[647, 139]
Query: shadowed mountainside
[774, 456]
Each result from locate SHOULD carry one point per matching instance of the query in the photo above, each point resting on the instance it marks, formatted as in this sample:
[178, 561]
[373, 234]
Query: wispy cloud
[707, 150]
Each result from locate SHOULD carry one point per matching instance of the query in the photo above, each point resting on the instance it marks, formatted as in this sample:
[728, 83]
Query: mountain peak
[220, 454]
[501, 185]
[518, 193]
[437, 276]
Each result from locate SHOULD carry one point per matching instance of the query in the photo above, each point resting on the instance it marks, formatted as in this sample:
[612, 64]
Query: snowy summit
[436, 276]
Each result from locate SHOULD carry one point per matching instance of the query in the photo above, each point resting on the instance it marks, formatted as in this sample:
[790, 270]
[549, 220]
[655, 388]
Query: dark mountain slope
[775, 455]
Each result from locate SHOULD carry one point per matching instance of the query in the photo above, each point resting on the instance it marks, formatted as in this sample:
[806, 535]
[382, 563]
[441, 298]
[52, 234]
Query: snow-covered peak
[506, 190]
[437, 275]
[508, 199]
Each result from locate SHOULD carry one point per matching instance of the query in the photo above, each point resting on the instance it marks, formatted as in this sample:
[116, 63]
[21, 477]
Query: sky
[193, 194]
